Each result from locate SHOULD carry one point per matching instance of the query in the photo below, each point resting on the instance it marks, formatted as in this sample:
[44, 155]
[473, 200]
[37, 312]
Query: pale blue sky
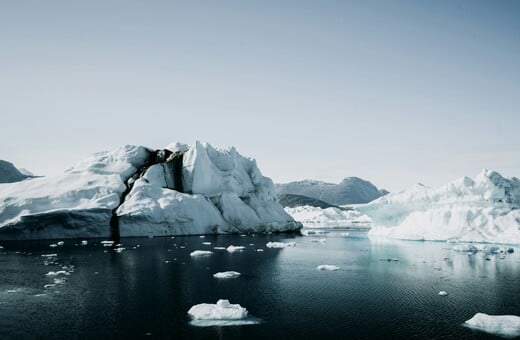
[396, 92]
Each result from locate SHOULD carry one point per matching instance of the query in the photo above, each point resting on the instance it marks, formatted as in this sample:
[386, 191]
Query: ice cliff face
[480, 209]
[138, 192]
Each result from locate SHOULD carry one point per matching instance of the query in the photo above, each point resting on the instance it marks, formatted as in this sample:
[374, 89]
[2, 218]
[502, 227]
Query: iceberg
[481, 209]
[507, 326]
[201, 253]
[280, 244]
[233, 249]
[327, 267]
[222, 313]
[137, 191]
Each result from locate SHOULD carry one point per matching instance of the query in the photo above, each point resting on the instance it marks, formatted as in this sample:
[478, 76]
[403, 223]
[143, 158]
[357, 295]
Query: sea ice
[201, 253]
[443, 293]
[60, 272]
[226, 275]
[502, 325]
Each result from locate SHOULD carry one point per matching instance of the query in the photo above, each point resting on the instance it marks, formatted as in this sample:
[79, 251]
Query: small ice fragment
[84, 242]
[232, 249]
[443, 293]
[226, 275]
[119, 249]
[59, 272]
[49, 255]
[243, 235]
[202, 236]
[60, 243]
[501, 325]
[206, 243]
[53, 245]
[259, 249]
[220, 248]
[59, 281]
[319, 240]
[107, 243]
[280, 244]
[201, 253]
[327, 267]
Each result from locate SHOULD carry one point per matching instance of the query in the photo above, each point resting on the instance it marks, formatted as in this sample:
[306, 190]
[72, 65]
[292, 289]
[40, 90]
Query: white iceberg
[507, 326]
[443, 293]
[222, 313]
[327, 267]
[226, 275]
[280, 244]
[148, 193]
[201, 253]
[317, 217]
[483, 209]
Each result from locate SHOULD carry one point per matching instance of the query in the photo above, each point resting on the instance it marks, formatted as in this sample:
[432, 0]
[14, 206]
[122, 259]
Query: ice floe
[327, 267]
[222, 313]
[280, 244]
[233, 249]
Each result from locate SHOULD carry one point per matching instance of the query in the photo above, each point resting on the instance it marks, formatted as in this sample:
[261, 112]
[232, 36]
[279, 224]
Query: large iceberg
[178, 190]
[482, 209]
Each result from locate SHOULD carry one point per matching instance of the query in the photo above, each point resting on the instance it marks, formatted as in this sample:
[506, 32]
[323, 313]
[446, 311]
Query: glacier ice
[483, 209]
[216, 191]
[502, 325]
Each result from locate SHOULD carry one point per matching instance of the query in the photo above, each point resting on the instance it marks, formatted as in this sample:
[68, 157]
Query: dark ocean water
[148, 290]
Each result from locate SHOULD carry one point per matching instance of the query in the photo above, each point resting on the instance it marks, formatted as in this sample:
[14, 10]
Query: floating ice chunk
[502, 325]
[202, 236]
[219, 248]
[259, 249]
[226, 275]
[201, 253]
[107, 243]
[59, 272]
[389, 259]
[49, 255]
[280, 244]
[232, 249]
[60, 243]
[206, 243]
[119, 249]
[53, 245]
[1, 247]
[307, 232]
[220, 314]
[84, 242]
[319, 240]
[59, 281]
[327, 267]
[443, 293]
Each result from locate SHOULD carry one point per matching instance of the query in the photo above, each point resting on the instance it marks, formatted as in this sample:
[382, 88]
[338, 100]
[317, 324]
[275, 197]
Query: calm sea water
[147, 289]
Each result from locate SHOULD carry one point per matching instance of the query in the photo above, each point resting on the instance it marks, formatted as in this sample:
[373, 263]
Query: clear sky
[396, 92]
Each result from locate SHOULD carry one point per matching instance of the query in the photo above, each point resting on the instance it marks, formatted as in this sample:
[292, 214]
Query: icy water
[147, 289]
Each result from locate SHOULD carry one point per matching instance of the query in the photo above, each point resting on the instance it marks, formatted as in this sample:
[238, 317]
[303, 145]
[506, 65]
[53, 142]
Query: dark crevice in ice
[172, 162]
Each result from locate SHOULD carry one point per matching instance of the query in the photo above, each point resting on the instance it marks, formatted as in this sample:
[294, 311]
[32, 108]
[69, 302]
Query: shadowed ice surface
[382, 289]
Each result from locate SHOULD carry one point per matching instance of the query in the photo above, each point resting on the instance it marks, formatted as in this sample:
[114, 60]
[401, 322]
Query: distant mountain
[351, 190]
[9, 173]
[292, 201]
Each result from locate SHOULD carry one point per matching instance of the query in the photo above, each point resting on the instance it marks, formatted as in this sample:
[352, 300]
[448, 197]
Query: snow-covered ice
[201, 253]
[280, 244]
[222, 313]
[502, 325]
[327, 267]
[226, 275]
[481, 209]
